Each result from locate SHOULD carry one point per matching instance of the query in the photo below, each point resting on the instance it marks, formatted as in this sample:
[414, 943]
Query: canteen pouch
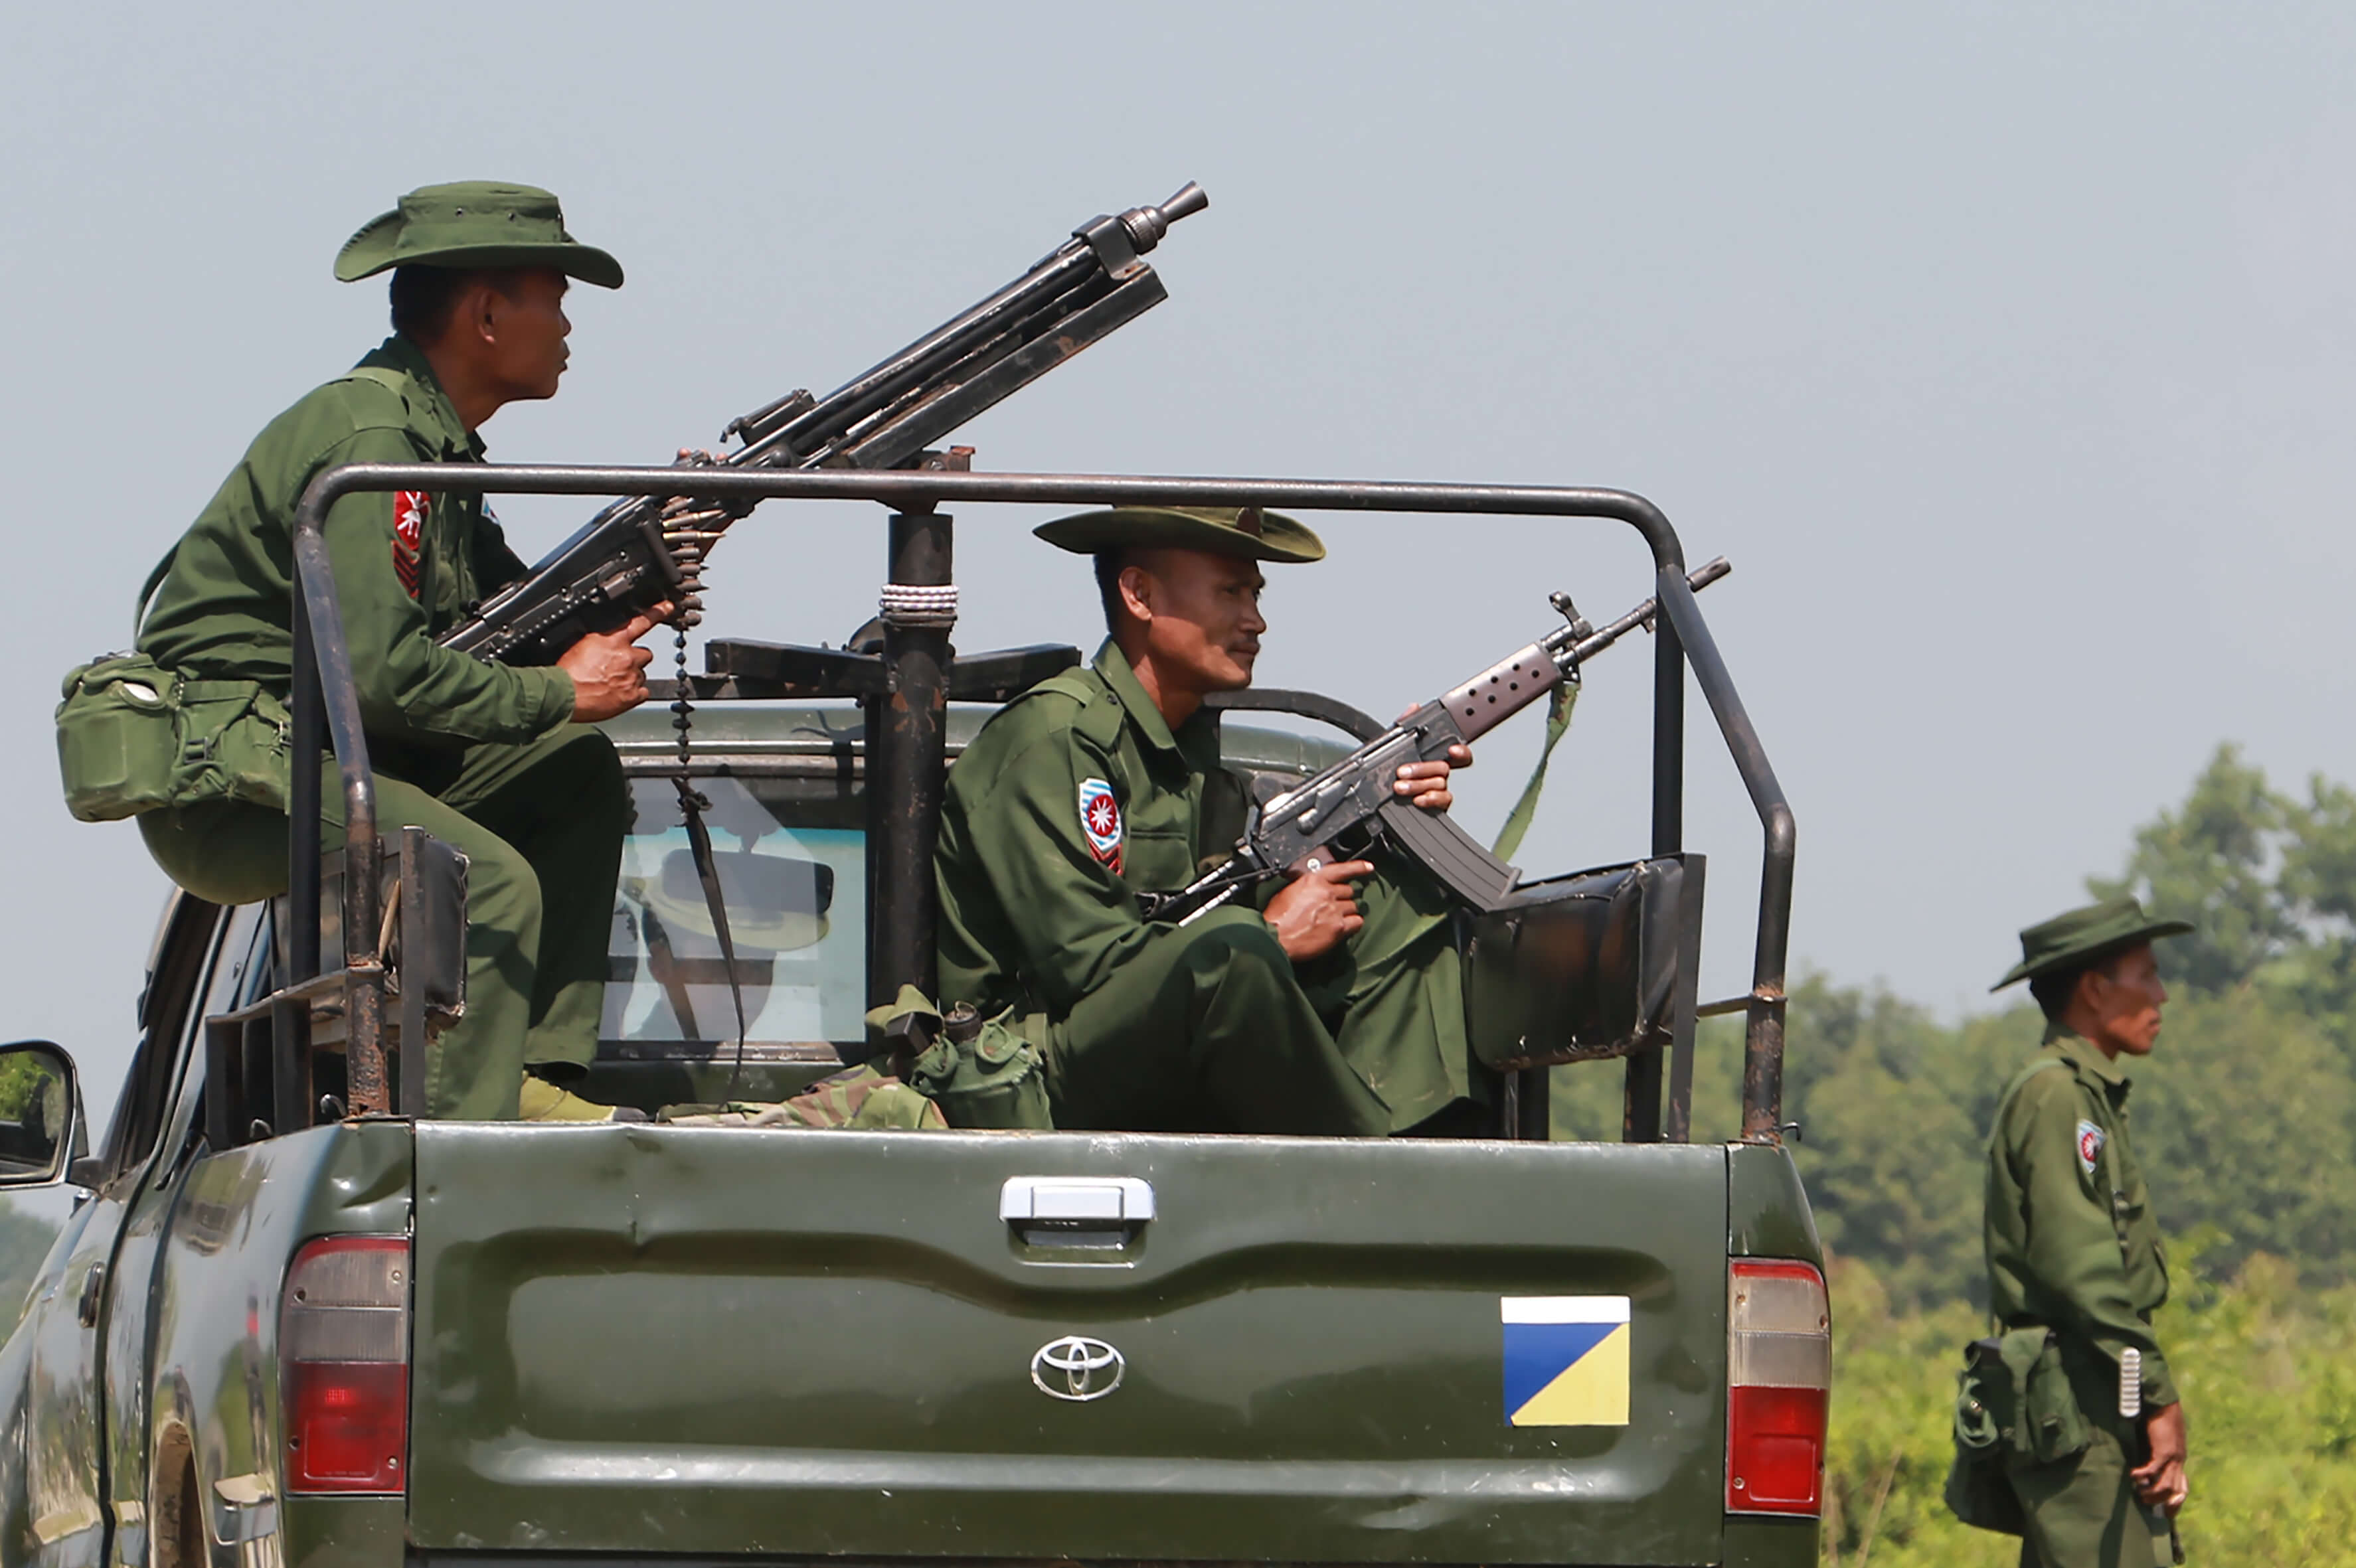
[993, 1079]
[1986, 1419]
[134, 736]
[981, 1072]
[118, 737]
[2013, 1403]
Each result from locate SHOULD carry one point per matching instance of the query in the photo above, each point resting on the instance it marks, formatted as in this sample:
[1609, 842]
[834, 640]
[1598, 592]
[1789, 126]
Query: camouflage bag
[978, 1070]
[860, 1098]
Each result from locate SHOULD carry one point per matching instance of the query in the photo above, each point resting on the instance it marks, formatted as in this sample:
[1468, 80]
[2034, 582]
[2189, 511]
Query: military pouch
[235, 742]
[2056, 1425]
[981, 1073]
[118, 737]
[1987, 1429]
[134, 736]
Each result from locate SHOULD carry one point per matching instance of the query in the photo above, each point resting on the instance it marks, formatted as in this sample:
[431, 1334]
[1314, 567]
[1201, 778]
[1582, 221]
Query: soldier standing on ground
[2073, 1247]
[1325, 1009]
[500, 762]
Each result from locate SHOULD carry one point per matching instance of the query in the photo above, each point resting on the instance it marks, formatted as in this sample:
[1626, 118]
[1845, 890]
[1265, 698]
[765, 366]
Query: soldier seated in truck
[1335, 1007]
[501, 762]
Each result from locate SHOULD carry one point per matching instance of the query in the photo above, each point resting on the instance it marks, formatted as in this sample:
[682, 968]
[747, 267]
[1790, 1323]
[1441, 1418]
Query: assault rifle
[641, 552]
[1353, 801]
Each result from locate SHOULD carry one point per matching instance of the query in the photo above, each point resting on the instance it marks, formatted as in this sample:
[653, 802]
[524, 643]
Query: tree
[2212, 861]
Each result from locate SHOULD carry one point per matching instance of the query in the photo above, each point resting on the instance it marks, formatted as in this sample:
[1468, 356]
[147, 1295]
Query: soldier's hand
[2161, 1483]
[1426, 783]
[608, 670]
[1319, 909]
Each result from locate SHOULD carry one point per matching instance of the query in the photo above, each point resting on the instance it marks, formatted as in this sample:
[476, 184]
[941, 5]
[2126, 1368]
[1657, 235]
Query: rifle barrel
[1594, 643]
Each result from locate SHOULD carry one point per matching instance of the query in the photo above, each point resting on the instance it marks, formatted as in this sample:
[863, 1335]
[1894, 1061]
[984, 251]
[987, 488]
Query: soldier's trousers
[1212, 1028]
[541, 825]
[2082, 1511]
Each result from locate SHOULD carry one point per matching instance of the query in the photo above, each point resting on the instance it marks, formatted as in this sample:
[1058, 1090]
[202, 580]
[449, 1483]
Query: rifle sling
[1559, 702]
[699, 844]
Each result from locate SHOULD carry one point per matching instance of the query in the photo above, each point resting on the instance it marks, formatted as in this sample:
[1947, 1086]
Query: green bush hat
[777, 903]
[1223, 530]
[2084, 936]
[474, 223]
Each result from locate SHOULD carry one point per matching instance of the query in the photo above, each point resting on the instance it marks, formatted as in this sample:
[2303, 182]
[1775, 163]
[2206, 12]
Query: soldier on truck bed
[1329, 1009]
[498, 761]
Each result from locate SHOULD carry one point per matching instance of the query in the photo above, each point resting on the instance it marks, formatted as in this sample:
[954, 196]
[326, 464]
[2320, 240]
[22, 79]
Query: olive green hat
[777, 903]
[475, 223]
[2078, 938]
[1223, 530]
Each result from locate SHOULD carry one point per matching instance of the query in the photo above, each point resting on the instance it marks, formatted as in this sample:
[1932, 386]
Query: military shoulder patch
[2089, 1145]
[408, 536]
[1100, 822]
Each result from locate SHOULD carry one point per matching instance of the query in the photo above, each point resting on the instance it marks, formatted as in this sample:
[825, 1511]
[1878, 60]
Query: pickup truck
[314, 1334]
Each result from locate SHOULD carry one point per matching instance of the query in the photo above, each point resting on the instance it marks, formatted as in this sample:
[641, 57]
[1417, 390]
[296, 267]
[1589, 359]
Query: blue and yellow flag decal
[1565, 1360]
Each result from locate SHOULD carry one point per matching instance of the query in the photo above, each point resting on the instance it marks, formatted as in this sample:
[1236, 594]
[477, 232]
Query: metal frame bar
[330, 703]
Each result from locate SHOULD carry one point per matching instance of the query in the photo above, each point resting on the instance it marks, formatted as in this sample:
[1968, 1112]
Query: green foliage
[20, 1079]
[2264, 1369]
[24, 1242]
[2214, 861]
[2245, 1121]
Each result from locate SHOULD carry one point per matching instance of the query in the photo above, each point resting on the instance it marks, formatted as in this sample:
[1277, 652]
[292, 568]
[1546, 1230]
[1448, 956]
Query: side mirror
[40, 1113]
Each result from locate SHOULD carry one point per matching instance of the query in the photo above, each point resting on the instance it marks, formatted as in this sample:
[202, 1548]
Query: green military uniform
[1077, 796]
[2073, 1246]
[481, 755]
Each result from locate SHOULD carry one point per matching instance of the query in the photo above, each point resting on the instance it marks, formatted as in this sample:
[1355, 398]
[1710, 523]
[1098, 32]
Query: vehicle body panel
[1317, 1379]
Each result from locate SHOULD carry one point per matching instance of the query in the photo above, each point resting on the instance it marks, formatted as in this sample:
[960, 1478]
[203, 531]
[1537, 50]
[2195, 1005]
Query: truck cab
[287, 1324]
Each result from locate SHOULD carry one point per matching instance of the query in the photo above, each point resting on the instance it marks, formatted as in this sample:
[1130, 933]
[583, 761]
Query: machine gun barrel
[625, 560]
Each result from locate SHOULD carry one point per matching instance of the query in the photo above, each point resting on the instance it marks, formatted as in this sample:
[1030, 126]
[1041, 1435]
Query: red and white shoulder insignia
[1100, 822]
[408, 536]
[2089, 1145]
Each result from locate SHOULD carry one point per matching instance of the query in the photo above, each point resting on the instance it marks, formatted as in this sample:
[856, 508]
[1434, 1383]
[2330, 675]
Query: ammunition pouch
[134, 736]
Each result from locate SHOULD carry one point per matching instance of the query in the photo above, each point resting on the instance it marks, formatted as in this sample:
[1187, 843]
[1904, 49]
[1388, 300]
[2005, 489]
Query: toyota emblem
[1077, 1369]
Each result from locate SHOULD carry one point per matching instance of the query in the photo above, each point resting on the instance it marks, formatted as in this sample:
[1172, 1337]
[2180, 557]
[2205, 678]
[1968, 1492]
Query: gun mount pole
[907, 748]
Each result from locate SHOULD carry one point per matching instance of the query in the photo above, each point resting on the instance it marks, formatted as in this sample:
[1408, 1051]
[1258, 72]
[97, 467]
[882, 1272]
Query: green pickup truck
[280, 1332]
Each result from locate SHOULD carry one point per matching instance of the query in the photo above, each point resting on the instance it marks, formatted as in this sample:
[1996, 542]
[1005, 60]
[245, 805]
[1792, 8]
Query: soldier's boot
[544, 1102]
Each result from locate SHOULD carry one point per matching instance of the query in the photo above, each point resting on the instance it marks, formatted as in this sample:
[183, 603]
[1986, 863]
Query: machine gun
[641, 552]
[1352, 802]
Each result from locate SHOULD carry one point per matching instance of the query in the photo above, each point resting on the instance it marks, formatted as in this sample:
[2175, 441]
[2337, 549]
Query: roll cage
[905, 747]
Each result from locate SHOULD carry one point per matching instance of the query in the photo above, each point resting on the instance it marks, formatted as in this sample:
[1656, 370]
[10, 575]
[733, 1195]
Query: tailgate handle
[1077, 1211]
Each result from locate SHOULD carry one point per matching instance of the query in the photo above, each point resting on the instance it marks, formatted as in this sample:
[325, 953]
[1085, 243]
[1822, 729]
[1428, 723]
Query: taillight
[343, 1348]
[1779, 1375]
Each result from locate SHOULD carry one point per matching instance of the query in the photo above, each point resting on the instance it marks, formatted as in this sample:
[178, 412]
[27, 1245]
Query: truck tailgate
[658, 1340]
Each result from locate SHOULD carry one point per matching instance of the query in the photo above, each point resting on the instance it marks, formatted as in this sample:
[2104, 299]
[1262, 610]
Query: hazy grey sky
[2005, 349]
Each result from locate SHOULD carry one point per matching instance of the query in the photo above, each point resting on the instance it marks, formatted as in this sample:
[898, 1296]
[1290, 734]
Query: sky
[2004, 348]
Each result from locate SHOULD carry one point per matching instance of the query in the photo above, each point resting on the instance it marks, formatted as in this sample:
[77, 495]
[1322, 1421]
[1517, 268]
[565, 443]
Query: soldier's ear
[1136, 589]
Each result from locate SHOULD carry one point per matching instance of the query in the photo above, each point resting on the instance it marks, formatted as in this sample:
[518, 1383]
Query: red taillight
[1779, 1374]
[343, 1347]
